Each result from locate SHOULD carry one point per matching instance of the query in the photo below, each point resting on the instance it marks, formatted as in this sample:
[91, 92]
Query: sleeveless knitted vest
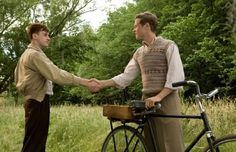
[153, 65]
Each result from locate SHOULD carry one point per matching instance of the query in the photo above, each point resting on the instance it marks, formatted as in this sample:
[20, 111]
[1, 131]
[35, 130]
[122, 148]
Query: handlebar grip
[212, 93]
[180, 83]
[157, 105]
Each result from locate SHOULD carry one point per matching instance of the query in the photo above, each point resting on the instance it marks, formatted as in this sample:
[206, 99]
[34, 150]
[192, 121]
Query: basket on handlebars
[123, 112]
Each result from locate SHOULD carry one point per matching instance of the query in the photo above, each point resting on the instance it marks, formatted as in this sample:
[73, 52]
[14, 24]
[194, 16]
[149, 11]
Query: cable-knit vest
[153, 65]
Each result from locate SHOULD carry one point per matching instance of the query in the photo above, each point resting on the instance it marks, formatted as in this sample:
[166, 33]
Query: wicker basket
[123, 112]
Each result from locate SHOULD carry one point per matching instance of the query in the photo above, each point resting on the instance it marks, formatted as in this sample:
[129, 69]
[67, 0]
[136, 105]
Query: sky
[99, 16]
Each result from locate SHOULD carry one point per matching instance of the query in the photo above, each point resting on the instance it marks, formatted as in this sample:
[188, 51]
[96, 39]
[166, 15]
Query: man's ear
[34, 35]
[147, 26]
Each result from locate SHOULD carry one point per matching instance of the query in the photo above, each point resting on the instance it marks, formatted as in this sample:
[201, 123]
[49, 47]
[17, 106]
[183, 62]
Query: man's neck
[149, 38]
[35, 44]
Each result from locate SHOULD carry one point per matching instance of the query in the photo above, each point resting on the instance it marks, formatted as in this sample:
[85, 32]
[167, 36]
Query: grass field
[83, 128]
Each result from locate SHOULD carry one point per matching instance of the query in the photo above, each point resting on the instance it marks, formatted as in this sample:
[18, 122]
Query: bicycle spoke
[114, 143]
[126, 140]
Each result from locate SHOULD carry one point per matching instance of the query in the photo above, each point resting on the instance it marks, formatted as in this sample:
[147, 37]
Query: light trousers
[167, 131]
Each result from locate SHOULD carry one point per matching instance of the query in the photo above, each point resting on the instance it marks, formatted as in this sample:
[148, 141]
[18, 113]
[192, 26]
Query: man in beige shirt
[160, 65]
[34, 75]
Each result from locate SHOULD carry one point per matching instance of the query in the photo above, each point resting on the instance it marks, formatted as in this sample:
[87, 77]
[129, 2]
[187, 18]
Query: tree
[68, 52]
[200, 30]
[62, 17]
[13, 17]
[114, 48]
[198, 27]
[232, 24]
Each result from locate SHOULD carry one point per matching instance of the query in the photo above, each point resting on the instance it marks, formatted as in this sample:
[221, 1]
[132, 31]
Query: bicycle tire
[126, 138]
[224, 144]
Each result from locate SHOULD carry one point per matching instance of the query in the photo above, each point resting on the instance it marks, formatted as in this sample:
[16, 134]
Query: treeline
[204, 30]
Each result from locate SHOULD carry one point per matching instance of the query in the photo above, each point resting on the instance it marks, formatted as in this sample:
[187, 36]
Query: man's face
[138, 29]
[42, 38]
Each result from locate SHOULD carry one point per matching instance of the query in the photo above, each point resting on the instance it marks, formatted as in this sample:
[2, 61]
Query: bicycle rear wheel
[124, 139]
[225, 144]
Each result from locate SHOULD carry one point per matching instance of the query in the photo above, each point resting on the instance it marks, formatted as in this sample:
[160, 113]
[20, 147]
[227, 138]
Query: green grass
[222, 117]
[83, 128]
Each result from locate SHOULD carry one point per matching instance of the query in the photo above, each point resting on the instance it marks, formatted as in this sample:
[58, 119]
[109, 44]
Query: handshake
[95, 85]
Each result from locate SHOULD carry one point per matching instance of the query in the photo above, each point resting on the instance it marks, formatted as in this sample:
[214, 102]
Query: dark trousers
[36, 125]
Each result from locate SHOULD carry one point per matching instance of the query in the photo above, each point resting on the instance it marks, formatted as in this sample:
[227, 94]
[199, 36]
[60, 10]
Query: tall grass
[83, 128]
[222, 117]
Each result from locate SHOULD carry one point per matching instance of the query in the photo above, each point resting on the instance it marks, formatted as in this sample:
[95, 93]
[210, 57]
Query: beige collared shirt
[35, 70]
[175, 71]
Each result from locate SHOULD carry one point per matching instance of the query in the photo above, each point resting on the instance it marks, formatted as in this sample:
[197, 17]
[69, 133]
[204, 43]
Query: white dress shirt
[50, 88]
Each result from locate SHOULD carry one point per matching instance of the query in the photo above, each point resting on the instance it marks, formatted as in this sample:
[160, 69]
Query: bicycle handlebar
[141, 104]
[188, 83]
[195, 84]
[180, 83]
[184, 83]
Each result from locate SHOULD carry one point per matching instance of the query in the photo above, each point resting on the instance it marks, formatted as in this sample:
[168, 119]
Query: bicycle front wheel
[225, 144]
[124, 139]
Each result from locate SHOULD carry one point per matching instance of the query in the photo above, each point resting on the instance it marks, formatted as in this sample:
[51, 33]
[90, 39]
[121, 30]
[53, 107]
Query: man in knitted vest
[158, 60]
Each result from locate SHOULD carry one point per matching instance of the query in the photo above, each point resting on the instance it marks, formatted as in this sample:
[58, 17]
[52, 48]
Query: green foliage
[115, 46]
[204, 31]
[232, 25]
[12, 45]
[12, 13]
[207, 65]
[200, 29]
[70, 39]
[68, 52]
[118, 41]
[204, 42]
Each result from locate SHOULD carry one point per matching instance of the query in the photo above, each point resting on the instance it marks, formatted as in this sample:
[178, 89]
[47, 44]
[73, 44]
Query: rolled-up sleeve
[124, 79]
[175, 67]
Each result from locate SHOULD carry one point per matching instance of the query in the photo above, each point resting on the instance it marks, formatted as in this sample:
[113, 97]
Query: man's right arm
[41, 63]
[124, 79]
[107, 83]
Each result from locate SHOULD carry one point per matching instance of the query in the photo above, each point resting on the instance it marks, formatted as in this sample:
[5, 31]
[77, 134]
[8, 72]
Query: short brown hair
[148, 17]
[35, 28]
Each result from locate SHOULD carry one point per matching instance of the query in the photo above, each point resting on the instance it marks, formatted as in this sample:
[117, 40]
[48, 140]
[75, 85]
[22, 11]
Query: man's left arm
[150, 102]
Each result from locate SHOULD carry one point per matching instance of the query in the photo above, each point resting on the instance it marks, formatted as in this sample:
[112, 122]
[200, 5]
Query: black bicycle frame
[206, 130]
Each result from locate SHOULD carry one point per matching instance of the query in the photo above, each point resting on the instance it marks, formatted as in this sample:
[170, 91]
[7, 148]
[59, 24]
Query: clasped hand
[94, 85]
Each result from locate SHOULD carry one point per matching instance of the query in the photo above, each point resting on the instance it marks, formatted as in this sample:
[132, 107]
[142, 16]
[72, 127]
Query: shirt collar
[144, 43]
[34, 47]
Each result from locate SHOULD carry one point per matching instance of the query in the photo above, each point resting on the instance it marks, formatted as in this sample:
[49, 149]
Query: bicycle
[126, 137]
